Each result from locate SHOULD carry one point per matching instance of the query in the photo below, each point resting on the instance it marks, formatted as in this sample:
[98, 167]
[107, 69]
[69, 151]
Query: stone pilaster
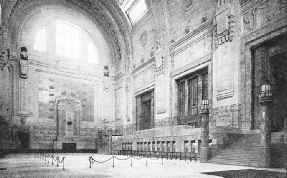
[204, 152]
[265, 140]
[110, 131]
[285, 144]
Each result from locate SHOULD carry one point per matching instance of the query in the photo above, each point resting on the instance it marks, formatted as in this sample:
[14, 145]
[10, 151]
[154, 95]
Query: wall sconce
[265, 92]
[24, 63]
[2, 61]
[4, 56]
[205, 105]
[100, 129]
[106, 71]
[110, 128]
[106, 78]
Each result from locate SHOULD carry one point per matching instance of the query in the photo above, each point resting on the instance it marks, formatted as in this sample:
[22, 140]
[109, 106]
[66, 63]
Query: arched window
[41, 40]
[67, 40]
[92, 54]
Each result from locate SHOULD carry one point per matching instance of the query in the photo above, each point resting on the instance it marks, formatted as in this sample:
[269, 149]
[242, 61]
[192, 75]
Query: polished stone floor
[77, 165]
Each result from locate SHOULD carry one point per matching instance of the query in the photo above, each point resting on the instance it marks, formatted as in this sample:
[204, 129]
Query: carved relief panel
[260, 12]
[68, 116]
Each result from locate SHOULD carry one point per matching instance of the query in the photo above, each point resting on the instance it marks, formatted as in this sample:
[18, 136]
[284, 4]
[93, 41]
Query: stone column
[204, 151]
[110, 141]
[100, 138]
[265, 133]
[285, 145]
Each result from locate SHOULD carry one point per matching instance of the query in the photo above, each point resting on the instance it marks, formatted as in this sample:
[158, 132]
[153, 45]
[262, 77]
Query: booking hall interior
[205, 77]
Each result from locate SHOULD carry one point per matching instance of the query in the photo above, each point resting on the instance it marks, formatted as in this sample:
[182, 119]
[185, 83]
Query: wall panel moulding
[191, 35]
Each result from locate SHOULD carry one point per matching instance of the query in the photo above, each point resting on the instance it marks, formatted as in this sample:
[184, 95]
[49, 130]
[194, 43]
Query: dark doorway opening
[145, 111]
[279, 84]
[69, 147]
[23, 141]
[269, 65]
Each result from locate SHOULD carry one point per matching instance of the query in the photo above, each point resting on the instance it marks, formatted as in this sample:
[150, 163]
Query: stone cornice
[142, 66]
[267, 28]
[59, 69]
[192, 64]
[190, 43]
[250, 4]
[69, 75]
[119, 76]
[191, 35]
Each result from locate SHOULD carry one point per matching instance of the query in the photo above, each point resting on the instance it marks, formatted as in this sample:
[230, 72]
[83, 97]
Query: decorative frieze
[190, 35]
[226, 116]
[188, 4]
[262, 12]
[143, 38]
[144, 65]
[144, 77]
[189, 52]
[225, 33]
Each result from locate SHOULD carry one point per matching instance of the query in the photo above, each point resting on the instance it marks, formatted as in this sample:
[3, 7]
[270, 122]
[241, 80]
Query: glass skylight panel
[40, 40]
[137, 11]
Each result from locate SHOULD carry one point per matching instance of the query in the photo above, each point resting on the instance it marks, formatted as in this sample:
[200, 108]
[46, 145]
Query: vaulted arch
[107, 16]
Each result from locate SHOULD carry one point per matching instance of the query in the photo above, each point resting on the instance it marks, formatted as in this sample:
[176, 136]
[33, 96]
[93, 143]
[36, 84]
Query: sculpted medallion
[187, 4]
[143, 38]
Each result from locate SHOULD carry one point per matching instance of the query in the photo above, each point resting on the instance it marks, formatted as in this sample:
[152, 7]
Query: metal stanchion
[113, 161]
[57, 161]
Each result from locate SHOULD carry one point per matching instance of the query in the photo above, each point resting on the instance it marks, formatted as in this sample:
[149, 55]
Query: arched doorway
[270, 66]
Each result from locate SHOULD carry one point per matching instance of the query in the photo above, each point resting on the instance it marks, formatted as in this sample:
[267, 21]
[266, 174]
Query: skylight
[135, 9]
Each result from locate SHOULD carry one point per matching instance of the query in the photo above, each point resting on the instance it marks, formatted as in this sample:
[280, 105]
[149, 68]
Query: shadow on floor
[250, 173]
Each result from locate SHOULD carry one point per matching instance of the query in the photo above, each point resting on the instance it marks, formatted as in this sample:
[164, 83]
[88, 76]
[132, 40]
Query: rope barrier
[92, 160]
[47, 157]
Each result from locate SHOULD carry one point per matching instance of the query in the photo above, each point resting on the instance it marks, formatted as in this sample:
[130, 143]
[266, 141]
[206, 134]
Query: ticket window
[158, 146]
[173, 146]
[168, 146]
[185, 146]
[153, 146]
[198, 146]
[145, 146]
[192, 146]
[148, 146]
[163, 146]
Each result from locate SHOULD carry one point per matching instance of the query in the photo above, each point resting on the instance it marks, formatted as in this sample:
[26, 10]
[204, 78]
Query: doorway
[23, 139]
[269, 65]
[69, 147]
[279, 83]
[145, 111]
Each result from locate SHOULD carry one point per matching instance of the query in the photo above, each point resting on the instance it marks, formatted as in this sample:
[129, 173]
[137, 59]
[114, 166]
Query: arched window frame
[68, 43]
[92, 53]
